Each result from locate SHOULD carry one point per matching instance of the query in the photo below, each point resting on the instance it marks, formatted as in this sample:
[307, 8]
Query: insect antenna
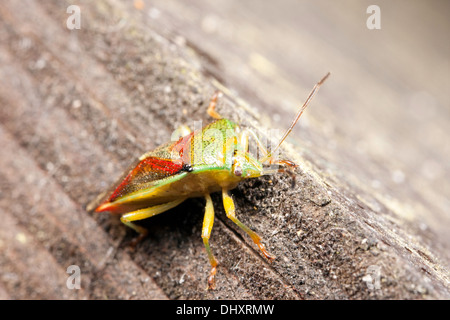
[268, 156]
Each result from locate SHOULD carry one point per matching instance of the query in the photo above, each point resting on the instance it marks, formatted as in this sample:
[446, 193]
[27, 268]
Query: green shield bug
[213, 159]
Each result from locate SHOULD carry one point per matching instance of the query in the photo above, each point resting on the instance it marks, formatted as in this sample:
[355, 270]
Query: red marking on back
[148, 166]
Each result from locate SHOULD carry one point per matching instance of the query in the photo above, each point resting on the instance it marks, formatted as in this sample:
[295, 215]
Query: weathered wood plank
[78, 106]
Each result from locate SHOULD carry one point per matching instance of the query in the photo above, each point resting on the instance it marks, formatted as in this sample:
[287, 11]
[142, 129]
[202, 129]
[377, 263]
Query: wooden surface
[78, 106]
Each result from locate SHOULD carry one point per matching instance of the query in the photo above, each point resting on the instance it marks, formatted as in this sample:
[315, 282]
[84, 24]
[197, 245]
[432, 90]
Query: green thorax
[213, 146]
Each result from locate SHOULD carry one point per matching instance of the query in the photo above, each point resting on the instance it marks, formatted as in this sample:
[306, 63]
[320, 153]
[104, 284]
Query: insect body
[213, 159]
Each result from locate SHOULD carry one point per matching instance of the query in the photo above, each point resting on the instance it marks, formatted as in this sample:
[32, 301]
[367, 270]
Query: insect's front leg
[284, 165]
[145, 213]
[230, 210]
[243, 140]
[206, 233]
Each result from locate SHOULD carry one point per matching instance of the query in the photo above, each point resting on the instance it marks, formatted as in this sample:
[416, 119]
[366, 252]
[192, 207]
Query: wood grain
[78, 106]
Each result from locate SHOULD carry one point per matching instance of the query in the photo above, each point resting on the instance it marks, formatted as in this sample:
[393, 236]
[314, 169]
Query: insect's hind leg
[230, 210]
[145, 213]
[208, 222]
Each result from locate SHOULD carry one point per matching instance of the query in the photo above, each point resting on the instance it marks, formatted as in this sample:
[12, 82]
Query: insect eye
[238, 171]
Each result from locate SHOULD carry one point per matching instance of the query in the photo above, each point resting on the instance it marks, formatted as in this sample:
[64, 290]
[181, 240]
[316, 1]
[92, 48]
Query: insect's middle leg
[206, 234]
[212, 107]
[230, 210]
[145, 213]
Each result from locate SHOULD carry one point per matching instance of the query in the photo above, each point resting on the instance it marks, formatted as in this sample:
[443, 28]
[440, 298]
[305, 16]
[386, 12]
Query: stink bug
[213, 159]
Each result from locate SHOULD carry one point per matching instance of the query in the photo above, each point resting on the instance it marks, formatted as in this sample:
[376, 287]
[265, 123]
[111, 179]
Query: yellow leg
[212, 106]
[208, 222]
[145, 213]
[230, 210]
